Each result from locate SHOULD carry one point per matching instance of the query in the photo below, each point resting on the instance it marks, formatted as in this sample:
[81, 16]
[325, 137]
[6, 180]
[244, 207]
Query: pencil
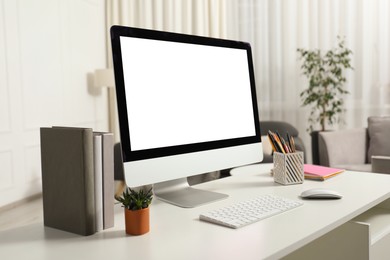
[272, 142]
[272, 137]
[279, 142]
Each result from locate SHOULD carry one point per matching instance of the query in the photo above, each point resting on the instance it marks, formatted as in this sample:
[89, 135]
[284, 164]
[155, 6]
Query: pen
[285, 146]
[292, 144]
[289, 141]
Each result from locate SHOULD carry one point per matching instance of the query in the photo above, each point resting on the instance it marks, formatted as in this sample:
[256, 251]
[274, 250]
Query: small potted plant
[136, 204]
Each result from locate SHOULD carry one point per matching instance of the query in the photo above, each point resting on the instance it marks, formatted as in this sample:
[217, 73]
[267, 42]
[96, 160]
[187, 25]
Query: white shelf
[379, 221]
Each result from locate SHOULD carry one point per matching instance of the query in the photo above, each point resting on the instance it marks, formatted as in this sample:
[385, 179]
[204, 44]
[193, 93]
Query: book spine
[98, 165]
[108, 180]
[89, 184]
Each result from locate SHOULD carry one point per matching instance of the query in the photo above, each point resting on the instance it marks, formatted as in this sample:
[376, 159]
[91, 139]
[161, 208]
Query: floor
[22, 213]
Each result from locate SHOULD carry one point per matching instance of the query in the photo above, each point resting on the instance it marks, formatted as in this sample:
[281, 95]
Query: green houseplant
[326, 75]
[136, 204]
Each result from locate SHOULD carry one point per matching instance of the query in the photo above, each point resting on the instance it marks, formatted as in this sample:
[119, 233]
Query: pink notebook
[317, 172]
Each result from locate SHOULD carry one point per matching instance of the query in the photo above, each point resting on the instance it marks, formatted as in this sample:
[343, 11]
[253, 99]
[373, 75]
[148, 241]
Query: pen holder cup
[288, 168]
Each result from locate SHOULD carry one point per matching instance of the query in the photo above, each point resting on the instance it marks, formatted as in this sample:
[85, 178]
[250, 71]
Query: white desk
[177, 233]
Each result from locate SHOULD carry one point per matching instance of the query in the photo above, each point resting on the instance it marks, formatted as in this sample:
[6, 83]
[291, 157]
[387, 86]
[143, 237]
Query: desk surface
[177, 233]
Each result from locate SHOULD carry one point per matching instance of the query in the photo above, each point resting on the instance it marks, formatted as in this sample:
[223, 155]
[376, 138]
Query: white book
[108, 179]
[98, 173]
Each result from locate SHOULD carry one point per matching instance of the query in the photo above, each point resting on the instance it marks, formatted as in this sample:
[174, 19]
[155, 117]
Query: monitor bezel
[128, 154]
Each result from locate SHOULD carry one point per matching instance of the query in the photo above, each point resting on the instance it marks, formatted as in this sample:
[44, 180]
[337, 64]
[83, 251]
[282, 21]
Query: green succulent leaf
[136, 200]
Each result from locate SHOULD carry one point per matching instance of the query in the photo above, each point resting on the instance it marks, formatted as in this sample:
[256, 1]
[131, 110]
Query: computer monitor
[187, 105]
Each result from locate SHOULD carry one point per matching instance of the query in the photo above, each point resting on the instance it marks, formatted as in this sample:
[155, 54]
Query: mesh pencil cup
[288, 168]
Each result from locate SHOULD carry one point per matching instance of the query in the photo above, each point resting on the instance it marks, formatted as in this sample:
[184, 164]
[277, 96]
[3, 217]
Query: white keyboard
[250, 211]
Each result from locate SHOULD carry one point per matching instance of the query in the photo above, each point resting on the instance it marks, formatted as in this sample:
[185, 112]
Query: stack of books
[77, 179]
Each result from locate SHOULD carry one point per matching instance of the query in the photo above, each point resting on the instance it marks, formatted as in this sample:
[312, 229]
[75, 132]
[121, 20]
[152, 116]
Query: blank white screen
[181, 93]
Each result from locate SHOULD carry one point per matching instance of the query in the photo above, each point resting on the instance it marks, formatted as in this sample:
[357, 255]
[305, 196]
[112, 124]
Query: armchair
[359, 149]
[345, 149]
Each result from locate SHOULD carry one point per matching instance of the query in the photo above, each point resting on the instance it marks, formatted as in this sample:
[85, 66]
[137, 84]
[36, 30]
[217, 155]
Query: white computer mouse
[321, 193]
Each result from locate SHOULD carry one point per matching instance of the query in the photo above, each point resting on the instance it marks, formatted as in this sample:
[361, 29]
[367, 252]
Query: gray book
[68, 179]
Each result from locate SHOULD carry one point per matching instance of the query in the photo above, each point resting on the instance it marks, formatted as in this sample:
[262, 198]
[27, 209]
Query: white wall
[48, 50]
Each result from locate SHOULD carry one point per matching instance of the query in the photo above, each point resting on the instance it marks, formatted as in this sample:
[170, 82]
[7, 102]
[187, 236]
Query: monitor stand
[178, 192]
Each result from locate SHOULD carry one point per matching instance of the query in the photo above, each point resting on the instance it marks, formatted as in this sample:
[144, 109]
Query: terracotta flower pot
[137, 221]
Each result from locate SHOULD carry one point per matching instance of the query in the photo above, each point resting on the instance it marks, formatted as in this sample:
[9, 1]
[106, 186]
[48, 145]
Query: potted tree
[136, 204]
[326, 90]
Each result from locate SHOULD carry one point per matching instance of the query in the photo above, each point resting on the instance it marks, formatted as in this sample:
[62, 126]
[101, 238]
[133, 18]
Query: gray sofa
[359, 149]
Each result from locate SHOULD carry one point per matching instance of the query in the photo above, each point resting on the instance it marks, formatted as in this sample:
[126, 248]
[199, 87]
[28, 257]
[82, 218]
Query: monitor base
[178, 192]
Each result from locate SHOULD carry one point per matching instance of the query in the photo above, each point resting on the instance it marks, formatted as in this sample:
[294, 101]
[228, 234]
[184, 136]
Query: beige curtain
[197, 17]
[276, 28]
